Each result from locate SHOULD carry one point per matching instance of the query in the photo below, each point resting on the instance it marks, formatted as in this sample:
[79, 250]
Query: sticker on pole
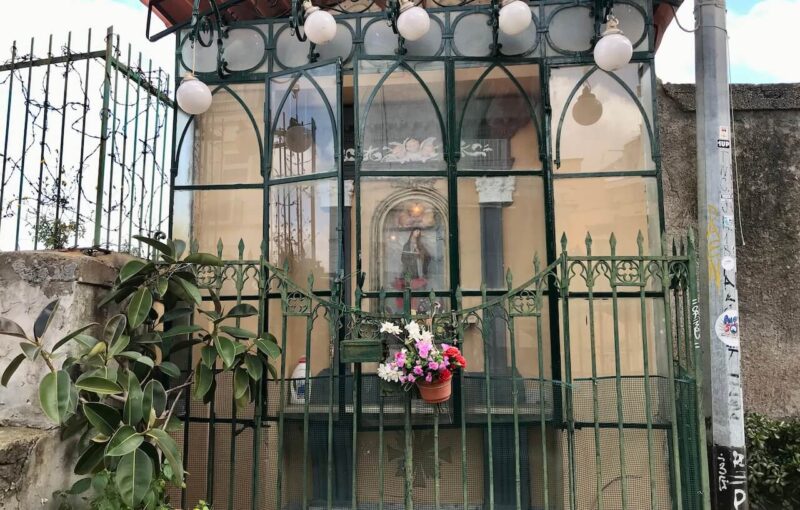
[727, 328]
[724, 138]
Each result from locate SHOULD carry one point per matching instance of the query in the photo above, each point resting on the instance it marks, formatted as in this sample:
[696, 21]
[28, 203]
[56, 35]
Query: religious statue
[415, 258]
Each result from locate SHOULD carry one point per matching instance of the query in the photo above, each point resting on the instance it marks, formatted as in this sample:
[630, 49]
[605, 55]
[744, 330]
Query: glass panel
[520, 43]
[226, 215]
[222, 146]
[571, 29]
[498, 127]
[501, 228]
[430, 43]
[379, 39]
[244, 48]
[302, 230]
[603, 129]
[341, 46]
[600, 206]
[472, 36]
[404, 231]
[289, 51]
[632, 22]
[303, 123]
[403, 120]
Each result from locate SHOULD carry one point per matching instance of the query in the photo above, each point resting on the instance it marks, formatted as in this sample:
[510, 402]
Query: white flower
[388, 373]
[390, 327]
[426, 335]
[413, 330]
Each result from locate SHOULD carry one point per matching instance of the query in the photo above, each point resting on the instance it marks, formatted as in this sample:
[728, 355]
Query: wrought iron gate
[620, 429]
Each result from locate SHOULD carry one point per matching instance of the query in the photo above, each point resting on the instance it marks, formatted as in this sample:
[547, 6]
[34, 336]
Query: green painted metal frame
[550, 289]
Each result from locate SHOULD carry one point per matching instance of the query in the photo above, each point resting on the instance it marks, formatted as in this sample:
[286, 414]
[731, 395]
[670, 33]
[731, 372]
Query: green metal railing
[77, 169]
[620, 429]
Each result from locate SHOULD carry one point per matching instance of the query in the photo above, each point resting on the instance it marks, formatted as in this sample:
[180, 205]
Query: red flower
[461, 361]
[452, 352]
[445, 375]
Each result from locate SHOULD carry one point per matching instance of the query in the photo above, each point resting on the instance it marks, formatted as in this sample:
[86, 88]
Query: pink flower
[429, 377]
[402, 379]
[424, 348]
[433, 365]
[400, 358]
[411, 378]
[418, 370]
[445, 362]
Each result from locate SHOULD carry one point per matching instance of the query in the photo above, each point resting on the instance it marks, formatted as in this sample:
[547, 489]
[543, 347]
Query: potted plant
[421, 362]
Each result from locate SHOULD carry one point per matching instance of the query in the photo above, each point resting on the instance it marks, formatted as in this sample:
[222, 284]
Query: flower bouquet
[421, 362]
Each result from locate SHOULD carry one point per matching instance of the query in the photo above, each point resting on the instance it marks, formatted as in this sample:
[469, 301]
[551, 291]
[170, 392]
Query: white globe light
[193, 95]
[515, 16]
[613, 50]
[319, 26]
[413, 22]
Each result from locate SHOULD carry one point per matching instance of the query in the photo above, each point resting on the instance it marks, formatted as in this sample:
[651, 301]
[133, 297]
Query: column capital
[495, 190]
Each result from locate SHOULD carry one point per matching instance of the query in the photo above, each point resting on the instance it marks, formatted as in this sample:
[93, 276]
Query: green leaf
[124, 441]
[203, 259]
[31, 350]
[99, 385]
[208, 355]
[120, 345]
[58, 396]
[11, 328]
[186, 329]
[238, 332]
[226, 350]
[91, 459]
[241, 383]
[152, 337]
[87, 341]
[175, 313]
[254, 366]
[133, 477]
[132, 413]
[44, 319]
[146, 361]
[158, 245]
[268, 346]
[72, 335]
[242, 310]
[115, 327]
[11, 368]
[186, 290]
[170, 448]
[161, 286]
[139, 307]
[272, 371]
[170, 369]
[203, 377]
[180, 247]
[81, 486]
[102, 417]
[155, 396]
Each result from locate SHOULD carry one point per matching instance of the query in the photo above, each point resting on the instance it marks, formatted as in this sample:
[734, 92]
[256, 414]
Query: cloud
[760, 44]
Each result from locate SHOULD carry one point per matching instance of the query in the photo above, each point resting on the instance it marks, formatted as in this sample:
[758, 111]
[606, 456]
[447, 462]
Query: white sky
[764, 34]
[764, 38]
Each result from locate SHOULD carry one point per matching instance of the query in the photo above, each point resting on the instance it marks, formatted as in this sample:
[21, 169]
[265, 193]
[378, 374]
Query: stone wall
[767, 157]
[33, 460]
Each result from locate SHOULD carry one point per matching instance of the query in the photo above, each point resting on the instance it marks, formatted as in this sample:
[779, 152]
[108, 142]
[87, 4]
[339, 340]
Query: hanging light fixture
[319, 25]
[193, 96]
[587, 109]
[413, 22]
[613, 50]
[515, 16]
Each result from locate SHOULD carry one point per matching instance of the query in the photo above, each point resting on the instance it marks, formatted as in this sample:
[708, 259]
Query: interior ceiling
[176, 12]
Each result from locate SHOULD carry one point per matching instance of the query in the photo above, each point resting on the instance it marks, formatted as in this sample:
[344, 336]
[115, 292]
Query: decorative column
[495, 193]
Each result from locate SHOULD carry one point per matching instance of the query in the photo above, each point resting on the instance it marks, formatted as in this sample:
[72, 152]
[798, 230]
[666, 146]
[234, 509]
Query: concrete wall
[767, 152]
[33, 460]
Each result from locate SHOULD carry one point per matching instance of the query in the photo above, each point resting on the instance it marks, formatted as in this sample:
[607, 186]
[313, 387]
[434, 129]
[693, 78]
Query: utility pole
[717, 244]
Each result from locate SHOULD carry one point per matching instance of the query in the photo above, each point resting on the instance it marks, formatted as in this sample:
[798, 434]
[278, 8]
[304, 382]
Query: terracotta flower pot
[435, 392]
